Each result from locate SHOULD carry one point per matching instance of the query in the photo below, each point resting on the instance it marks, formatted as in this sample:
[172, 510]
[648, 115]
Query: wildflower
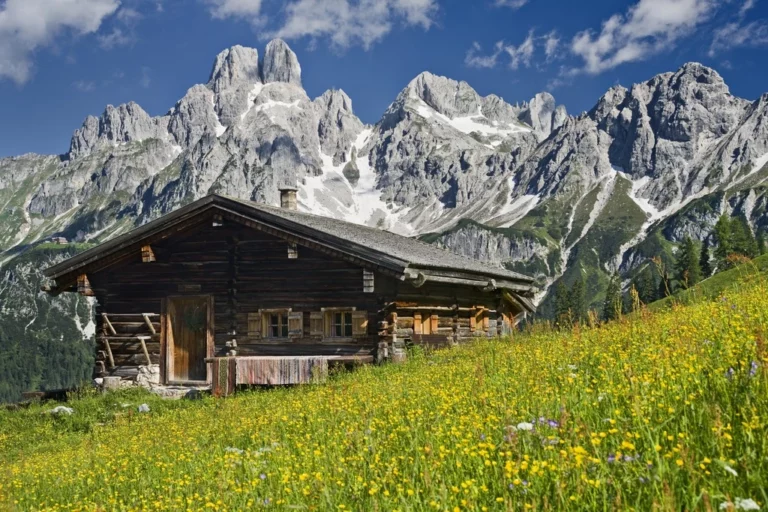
[524, 426]
[730, 470]
[740, 504]
[263, 476]
[729, 373]
[611, 458]
[143, 408]
[553, 424]
[753, 369]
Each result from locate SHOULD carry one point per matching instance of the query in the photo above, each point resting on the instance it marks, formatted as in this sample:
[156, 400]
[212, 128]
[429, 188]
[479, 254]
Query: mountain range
[526, 186]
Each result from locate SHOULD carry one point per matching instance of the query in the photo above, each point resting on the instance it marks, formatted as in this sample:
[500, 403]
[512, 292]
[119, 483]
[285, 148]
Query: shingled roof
[397, 252]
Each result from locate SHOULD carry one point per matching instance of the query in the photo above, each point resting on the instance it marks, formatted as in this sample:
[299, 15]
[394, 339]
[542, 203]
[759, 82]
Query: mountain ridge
[525, 186]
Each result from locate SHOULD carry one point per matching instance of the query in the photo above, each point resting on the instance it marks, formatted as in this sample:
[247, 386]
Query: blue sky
[61, 60]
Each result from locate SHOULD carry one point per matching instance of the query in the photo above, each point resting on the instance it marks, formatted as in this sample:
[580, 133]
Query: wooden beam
[147, 254]
[149, 323]
[108, 324]
[143, 339]
[109, 352]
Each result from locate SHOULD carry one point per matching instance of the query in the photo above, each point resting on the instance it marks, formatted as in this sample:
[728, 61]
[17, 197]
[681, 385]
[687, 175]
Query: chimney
[288, 198]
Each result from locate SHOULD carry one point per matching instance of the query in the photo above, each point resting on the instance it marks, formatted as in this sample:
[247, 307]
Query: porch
[228, 372]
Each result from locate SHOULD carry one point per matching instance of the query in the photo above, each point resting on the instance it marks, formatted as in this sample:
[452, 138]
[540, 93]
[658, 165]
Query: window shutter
[296, 324]
[368, 281]
[417, 323]
[254, 325]
[433, 320]
[359, 324]
[316, 323]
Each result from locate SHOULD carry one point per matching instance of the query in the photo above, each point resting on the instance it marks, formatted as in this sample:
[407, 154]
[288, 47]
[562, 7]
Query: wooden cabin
[227, 292]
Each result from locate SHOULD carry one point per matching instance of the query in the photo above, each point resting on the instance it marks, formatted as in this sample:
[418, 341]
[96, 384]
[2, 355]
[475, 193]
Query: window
[278, 325]
[341, 325]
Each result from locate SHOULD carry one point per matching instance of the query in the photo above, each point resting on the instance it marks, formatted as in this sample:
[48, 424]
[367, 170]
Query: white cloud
[344, 22]
[28, 25]
[123, 31]
[513, 4]
[521, 54]
[145, 81]
[474, 60]
[347, 23]
[221, 9]
[736, 34]
[648, 27]
[551, 45]
[84, 85]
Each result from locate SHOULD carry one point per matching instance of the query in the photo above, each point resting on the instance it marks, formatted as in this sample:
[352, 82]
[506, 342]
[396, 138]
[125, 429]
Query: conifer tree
[742, 239]
[760, 243]
[578, 300]
[704, 265]
[645, 284]
[724, 242]
[687, 269]
[562, 304]
[612, 303]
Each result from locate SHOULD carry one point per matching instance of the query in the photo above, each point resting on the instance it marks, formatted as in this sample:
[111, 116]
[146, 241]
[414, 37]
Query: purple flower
[525, 483]
[729, 373]
[611, 458]
[542, 420]
[263, 476]
[553, 423]
[482, 437]
[753, 369]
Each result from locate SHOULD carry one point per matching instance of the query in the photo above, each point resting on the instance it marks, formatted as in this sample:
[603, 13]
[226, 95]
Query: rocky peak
[446, 96]
[338, 127]
[280, 64]
[122, 124]
[543, 114]
[234, 66]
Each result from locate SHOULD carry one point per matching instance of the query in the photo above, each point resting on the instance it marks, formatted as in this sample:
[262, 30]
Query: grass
[660, 410]
[716, 284]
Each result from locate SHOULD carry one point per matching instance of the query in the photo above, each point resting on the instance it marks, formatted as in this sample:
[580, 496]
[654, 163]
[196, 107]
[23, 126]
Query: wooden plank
[109, 352]
[149, 323]
[108, 323]
[143, 339]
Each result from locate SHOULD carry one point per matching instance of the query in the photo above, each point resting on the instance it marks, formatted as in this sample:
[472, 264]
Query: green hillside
[657, 411]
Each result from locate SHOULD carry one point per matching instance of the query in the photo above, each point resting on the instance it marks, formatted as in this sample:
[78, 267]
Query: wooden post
[143, 339]
[149, 323]
[109, 351]
[108, 326]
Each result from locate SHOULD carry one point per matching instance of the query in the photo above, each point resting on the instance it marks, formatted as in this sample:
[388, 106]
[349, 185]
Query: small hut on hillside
[230, 292]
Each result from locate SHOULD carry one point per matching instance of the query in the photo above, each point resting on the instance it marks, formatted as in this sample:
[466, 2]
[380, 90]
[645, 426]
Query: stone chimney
[288, 198]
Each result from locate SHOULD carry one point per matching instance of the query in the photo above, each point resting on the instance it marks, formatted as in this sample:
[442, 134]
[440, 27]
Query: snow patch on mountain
[471, 124]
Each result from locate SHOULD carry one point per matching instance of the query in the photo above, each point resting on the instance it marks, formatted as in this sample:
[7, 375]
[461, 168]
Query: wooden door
[189, 338]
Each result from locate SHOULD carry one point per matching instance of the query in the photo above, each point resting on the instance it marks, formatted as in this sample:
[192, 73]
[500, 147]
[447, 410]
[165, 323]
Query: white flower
[143, 408]
[746, 504]
[525, 426]
[573, 367]
[232, 449]
[730, 470]
[740, 504]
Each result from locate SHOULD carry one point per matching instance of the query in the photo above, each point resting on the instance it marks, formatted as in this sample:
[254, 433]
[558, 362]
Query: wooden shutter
[316, 327]
[368, 281]
[417, 323]
[254, 325]
[296, 324]
[433, 321]
[359, 324]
